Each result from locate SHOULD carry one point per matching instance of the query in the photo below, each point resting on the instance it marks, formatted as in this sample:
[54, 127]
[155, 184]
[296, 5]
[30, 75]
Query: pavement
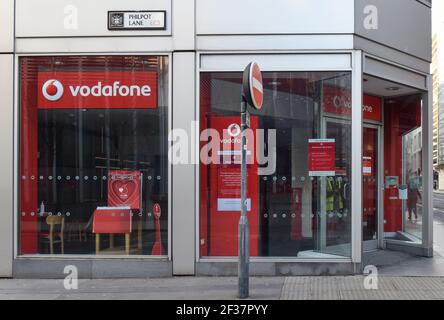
[225, 288]
[400, 276]
[176, 288]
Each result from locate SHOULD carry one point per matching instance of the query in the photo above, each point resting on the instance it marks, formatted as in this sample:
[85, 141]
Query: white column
[356, 157]
[6, 163]
[6, 135]
[184, 206]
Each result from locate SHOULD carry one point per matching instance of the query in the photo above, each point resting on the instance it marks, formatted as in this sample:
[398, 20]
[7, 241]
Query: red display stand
[111, 220]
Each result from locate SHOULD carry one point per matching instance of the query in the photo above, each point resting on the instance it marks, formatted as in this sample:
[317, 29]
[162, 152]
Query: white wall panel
[184, 24]
[281, 62]
[274, 17]
[6, 25]
[93, 45]
[275, 42]
[46, 18]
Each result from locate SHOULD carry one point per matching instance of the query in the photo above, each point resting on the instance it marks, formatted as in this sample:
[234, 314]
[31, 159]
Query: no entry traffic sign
[253, 89]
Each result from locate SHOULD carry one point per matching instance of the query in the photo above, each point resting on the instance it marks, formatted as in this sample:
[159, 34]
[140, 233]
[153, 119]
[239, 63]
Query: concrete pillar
[6, 164]
[184, 208]
[6, 135]
[184, 174]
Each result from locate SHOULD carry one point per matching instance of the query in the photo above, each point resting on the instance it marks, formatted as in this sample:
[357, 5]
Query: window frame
[339, 60]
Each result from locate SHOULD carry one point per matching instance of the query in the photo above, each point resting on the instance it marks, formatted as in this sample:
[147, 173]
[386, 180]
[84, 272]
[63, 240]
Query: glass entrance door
[335, 217]
[337, 189]
[370, 169]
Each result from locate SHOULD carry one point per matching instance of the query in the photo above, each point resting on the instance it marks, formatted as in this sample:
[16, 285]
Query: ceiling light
[392, 88]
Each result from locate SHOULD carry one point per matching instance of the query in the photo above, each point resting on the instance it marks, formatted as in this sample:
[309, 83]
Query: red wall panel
[401, 115]
[28, 163]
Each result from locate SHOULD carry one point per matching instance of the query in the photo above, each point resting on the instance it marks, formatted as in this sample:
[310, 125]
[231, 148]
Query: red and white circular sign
[52, 90]
[156, 209]
[253, 85]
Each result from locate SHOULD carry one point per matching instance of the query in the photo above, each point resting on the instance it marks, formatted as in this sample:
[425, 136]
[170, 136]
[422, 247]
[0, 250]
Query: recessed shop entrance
[392, 167]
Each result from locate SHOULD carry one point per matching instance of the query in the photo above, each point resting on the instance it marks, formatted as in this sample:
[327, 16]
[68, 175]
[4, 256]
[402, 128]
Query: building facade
[435, 77]
[438, 97]
[120, 135]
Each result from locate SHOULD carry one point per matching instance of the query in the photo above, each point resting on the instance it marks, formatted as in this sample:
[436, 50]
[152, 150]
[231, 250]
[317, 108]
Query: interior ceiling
[378, 87]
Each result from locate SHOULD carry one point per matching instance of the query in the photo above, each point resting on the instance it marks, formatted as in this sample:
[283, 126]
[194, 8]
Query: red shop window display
[82, 120]
[286, 197]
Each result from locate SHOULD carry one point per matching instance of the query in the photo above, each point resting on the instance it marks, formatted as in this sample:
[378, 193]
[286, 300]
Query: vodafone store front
[124, 139]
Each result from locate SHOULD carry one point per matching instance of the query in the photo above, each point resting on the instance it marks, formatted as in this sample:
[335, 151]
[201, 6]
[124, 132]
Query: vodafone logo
[341, 102]
[52, 90]
[156, 210]
[96, 90]
[367, 108]
[234, 130]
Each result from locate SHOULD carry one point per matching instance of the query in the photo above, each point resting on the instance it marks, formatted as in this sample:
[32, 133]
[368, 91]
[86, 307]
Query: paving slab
[353, 288]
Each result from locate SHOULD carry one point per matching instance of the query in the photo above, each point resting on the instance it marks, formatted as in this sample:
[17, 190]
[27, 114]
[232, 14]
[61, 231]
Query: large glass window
[93, 155]
[299, 190]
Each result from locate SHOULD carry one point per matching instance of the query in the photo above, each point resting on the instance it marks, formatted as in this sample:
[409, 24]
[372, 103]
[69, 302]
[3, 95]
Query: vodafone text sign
[115, 90]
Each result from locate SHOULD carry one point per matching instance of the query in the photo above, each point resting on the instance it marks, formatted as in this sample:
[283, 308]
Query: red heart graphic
[123, 190]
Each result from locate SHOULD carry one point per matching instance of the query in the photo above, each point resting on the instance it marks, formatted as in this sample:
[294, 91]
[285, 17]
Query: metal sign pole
[244, 228]
[252, 94]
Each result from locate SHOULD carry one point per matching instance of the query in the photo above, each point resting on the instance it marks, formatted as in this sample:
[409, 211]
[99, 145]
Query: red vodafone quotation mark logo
[234, 130]
[52, 90]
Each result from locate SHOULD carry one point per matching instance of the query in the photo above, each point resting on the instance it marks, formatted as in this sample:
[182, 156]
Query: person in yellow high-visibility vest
[334, 201]
[330, 200]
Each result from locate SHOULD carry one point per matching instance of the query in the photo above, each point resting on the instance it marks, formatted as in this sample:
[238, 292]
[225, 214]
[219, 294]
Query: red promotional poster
[321, 157]
[112, 220]
[114, 90]
[338, 101]
[225, 190]
[124, 189]
[367, 166]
